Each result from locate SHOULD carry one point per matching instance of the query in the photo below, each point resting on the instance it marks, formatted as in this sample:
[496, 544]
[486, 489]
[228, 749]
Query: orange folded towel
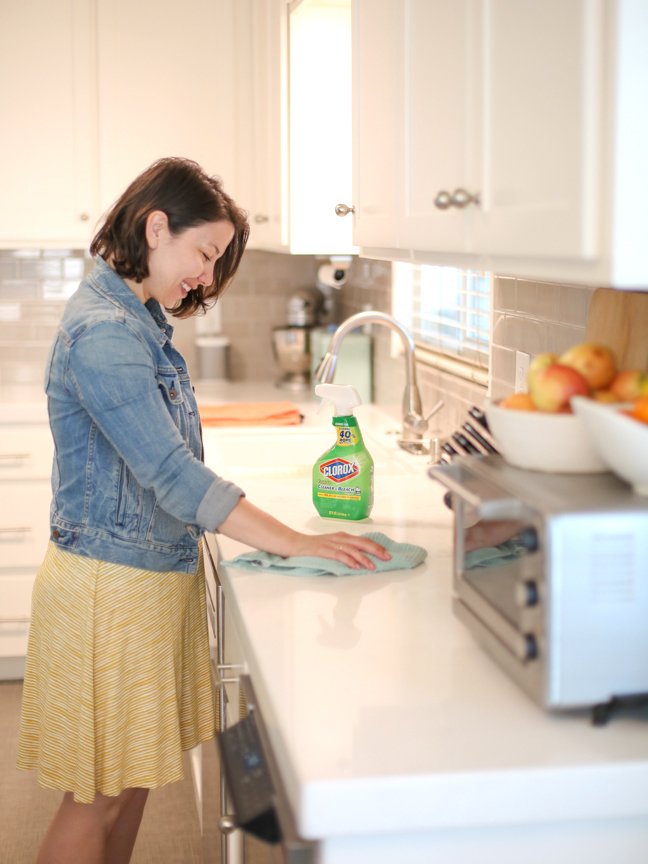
[250, 414]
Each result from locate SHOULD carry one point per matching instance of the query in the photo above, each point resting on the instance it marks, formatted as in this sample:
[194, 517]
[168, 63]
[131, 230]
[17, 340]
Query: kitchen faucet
[414, 424]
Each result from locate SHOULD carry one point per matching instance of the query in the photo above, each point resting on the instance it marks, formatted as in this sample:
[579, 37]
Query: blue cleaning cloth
[495, 556]
[404, 556]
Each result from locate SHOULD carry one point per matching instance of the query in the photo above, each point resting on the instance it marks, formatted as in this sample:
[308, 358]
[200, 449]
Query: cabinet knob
[260, 218]
[462, 198]
[343, 209]
[84, 216]
[443, 200]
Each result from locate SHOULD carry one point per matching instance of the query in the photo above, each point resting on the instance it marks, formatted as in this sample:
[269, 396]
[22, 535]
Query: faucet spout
[414, 424]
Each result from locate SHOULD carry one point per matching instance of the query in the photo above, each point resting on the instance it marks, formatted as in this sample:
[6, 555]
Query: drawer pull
[18, 532]
[6, 458]
[15, 620]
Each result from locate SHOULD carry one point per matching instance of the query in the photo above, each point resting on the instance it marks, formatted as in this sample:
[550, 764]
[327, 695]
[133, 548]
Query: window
[448, 312]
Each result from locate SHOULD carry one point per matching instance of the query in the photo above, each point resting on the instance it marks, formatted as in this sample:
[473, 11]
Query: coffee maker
[292, 344]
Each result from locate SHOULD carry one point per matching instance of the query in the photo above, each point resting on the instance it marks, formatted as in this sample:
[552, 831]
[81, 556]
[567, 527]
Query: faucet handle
[419, 424]
[438, 406]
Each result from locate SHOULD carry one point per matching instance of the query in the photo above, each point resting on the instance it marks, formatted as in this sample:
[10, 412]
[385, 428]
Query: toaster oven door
[498, 572]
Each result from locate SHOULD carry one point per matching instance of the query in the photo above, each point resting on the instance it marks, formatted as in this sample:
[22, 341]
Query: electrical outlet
[522, 361]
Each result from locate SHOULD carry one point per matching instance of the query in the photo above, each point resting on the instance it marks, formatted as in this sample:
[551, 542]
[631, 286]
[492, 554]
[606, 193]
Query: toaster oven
[551, 578]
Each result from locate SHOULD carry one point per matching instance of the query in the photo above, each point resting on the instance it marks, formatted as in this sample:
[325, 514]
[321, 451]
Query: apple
[540, 361]
[595, 362]
[552, 387]
[630, 385]
[519, 402]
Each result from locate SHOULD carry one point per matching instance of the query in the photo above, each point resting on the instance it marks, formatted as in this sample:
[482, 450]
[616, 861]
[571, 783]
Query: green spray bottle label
[343, 475]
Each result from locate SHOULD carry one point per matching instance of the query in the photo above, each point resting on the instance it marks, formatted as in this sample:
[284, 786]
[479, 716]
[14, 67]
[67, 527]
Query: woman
[117, 679]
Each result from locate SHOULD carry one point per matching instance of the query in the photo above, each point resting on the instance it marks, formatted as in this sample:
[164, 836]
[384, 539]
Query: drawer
[24, 523]
[15, 610]
[25, 452]
[15, 598]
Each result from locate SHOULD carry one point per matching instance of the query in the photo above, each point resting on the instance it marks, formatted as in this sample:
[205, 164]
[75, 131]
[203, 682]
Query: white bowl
[621, 441]
[543, 441]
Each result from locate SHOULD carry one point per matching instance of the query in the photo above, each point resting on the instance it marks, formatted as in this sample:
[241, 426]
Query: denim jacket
[128, 482]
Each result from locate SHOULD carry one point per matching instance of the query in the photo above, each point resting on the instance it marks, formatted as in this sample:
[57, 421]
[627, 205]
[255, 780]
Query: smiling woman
[117, 676]
[166, 202]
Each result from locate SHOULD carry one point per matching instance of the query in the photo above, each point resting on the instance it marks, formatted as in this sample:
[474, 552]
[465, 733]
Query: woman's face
[179, 263]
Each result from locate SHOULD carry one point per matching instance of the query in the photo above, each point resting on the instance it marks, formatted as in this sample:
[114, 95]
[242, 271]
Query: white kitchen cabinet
[165, 88]
[294, 123]
[531, 110]
[261, 33]
[25, 492]
[48, 174]
[96, 90]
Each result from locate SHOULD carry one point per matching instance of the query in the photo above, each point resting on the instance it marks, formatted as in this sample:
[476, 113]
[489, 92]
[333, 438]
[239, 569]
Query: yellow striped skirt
[117, 678]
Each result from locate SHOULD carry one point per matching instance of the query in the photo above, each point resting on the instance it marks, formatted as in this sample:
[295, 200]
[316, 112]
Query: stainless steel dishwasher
[250, 800]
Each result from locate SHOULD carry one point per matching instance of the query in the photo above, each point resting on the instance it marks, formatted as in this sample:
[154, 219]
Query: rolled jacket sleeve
[113, 373]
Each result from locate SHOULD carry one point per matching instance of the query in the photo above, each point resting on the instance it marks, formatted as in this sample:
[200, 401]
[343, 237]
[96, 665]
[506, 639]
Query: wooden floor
[170, 831]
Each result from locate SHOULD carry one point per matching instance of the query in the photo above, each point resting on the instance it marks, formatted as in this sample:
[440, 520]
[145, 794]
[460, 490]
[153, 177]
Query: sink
[290, 451]
[262, 451]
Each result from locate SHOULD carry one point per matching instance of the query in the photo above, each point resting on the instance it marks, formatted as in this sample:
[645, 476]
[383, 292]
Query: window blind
[448, 312]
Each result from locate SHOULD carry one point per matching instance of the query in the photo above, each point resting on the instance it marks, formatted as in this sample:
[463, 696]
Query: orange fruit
[604, 396]
[640, 409]
[518, 402]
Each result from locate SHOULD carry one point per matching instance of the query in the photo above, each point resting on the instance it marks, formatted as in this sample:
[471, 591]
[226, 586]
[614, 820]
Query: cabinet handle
[15, 620]
[443, 200]
[13, 457]
[344, 209]
[19, 530]
[462, 198]
[260, 218]
[459, 198]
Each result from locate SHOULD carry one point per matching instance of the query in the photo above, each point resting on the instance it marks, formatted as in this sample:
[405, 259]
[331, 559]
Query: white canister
[213, 357]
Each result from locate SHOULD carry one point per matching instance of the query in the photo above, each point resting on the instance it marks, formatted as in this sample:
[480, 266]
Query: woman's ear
[157, 226]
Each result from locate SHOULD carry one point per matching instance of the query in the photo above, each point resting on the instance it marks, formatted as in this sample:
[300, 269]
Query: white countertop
[385, 714]
[388, 719]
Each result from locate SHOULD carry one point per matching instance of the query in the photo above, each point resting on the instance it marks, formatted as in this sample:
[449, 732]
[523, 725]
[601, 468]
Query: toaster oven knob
[526, 593]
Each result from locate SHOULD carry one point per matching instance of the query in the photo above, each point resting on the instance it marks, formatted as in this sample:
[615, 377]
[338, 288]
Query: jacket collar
[104, 279]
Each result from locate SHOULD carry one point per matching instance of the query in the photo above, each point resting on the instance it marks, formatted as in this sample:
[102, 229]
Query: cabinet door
[440, 122]
[48, 119]
[261, 28]
[320, 126]
[541, 134]
[377, 77]
[165, 87]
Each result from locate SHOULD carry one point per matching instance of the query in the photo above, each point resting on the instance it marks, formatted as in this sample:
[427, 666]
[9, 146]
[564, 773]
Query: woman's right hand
[259, 529]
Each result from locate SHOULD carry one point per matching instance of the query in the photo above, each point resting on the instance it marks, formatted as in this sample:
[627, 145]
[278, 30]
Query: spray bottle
[343, 475]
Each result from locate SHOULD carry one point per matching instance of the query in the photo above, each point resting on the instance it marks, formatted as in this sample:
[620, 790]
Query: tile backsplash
[34, 286]
[527, 316]
[533, 317]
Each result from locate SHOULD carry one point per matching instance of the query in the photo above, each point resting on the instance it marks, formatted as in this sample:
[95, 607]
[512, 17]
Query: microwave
[551, 577]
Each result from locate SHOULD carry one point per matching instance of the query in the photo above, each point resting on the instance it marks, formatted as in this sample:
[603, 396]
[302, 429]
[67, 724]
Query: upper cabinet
[48, 174]
[512, 128]
[165, 88]
[93, 92]
[295, 125]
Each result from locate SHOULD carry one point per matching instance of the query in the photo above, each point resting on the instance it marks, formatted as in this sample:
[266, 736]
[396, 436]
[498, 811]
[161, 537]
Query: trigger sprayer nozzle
[343, 397]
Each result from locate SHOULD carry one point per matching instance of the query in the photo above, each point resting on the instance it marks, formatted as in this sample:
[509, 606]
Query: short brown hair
[181, 189]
